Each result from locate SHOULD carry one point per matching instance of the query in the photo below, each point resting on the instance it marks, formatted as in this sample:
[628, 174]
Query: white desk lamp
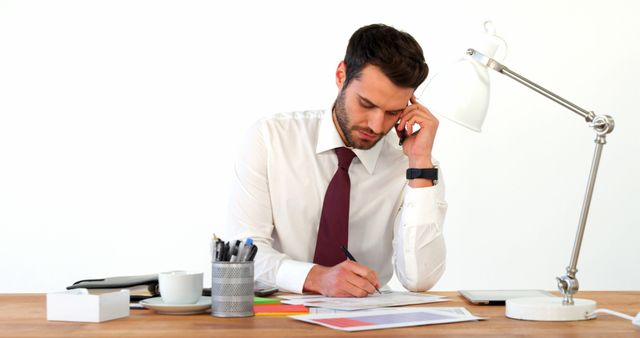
[468, 79]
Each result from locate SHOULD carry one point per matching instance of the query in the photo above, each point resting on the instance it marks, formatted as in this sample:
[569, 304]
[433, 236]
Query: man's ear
[341, 75]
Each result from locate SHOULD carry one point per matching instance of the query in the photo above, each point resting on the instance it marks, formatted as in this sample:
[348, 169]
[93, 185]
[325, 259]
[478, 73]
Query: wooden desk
[25, 316]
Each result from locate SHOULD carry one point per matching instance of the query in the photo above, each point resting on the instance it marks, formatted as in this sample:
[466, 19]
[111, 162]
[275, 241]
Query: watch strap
[428, 173]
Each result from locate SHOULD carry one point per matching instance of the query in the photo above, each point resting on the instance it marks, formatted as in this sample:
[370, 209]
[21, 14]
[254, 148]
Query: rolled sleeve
[419, 250]
[421, 207]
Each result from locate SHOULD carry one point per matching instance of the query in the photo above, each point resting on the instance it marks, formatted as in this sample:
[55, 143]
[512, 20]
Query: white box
[79, 306]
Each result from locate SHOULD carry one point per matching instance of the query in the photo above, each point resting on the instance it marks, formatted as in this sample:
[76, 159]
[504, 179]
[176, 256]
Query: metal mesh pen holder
[232, 289]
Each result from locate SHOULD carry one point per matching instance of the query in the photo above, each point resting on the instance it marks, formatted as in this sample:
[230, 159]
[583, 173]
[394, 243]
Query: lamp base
[549, 309]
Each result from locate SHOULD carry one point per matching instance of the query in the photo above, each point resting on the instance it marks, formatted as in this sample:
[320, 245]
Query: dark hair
[396, 53]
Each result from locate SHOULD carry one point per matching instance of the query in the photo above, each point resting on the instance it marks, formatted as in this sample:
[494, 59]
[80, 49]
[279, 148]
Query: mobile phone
[402, 135]
[264, 292]
[262, 289]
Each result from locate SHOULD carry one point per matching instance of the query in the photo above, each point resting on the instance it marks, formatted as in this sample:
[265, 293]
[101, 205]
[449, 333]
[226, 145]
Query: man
[311, 182]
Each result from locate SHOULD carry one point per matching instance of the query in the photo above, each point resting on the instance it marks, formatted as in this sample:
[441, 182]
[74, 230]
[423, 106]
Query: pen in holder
[232, 289]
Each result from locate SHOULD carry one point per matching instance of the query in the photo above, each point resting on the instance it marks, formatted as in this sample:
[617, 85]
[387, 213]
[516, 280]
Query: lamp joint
[602, 124]
[568, 286]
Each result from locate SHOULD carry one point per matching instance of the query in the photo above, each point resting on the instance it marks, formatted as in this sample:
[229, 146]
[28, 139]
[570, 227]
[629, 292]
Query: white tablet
[500, 296]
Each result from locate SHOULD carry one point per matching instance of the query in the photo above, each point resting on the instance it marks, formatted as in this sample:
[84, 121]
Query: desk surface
[24, 315]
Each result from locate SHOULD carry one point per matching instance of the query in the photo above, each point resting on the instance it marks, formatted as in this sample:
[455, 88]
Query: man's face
[368, 107]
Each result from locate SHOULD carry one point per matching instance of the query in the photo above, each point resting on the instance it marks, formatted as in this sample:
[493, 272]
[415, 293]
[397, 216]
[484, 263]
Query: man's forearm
[418, 240]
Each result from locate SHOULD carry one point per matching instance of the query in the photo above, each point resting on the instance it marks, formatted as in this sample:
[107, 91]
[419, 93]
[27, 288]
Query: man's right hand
[347, 279]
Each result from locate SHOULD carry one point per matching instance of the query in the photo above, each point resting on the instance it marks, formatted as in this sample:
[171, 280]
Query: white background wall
[120, 120]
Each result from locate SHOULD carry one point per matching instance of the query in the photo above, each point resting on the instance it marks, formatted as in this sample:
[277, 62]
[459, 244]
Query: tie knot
[345, 156]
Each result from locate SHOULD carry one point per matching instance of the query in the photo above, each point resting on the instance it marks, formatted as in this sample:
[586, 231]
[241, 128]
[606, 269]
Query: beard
[342, 117]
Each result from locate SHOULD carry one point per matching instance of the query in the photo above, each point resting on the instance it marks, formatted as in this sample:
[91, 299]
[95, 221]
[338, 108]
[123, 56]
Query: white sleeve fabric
[418, 244]
[292, 274]
[250, 215]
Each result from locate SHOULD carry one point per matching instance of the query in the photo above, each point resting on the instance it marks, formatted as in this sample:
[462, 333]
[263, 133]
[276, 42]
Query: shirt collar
[329, 139]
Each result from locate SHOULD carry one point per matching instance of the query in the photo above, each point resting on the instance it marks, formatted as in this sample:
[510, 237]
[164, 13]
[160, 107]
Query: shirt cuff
[292, 274]
[420, 205]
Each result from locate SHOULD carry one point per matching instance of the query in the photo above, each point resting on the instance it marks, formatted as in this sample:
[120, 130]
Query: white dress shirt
[280, 180]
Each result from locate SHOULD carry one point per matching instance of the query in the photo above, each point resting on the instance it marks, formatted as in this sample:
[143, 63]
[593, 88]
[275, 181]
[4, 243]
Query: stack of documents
[376, 311]
[386, 299]
[389, 318]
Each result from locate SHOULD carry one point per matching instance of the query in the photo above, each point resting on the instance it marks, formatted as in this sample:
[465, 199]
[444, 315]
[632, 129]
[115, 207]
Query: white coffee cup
[180, 287]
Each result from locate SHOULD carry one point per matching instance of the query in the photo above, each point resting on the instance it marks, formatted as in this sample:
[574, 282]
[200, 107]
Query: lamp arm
[602, 125]
[568, 283]
[500, 68]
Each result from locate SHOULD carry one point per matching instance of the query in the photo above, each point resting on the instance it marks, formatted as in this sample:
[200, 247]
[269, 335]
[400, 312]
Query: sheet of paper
[294, 297]
[460, 311]
[388, 318]
[453, 310]
[386, 299]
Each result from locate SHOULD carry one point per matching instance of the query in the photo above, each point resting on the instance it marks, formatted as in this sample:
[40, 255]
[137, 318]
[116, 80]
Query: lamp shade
[460, 92]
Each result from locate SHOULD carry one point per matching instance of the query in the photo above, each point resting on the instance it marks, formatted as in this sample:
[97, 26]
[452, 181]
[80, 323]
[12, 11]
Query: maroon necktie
[334, 222]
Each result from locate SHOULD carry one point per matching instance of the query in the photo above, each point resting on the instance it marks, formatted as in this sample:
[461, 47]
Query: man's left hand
[418, 146]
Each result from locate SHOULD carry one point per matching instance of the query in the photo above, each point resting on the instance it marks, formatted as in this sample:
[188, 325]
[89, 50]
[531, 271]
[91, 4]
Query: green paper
[263, 300]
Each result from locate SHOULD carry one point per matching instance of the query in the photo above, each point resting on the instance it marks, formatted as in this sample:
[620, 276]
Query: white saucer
[156, 304]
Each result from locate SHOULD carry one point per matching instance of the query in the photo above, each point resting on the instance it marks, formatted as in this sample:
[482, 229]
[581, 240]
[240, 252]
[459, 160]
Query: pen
[351, 258]
[213, 250]
[244, 253]
[235, 250]
[219, 248]
[254, 251]
[225, 252]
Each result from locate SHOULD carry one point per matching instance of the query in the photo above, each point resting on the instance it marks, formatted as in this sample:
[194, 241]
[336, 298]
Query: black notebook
[140, 287]
[146, 286]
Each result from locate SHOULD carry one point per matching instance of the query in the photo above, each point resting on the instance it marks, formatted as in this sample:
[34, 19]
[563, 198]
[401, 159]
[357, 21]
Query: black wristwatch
[428, 173]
